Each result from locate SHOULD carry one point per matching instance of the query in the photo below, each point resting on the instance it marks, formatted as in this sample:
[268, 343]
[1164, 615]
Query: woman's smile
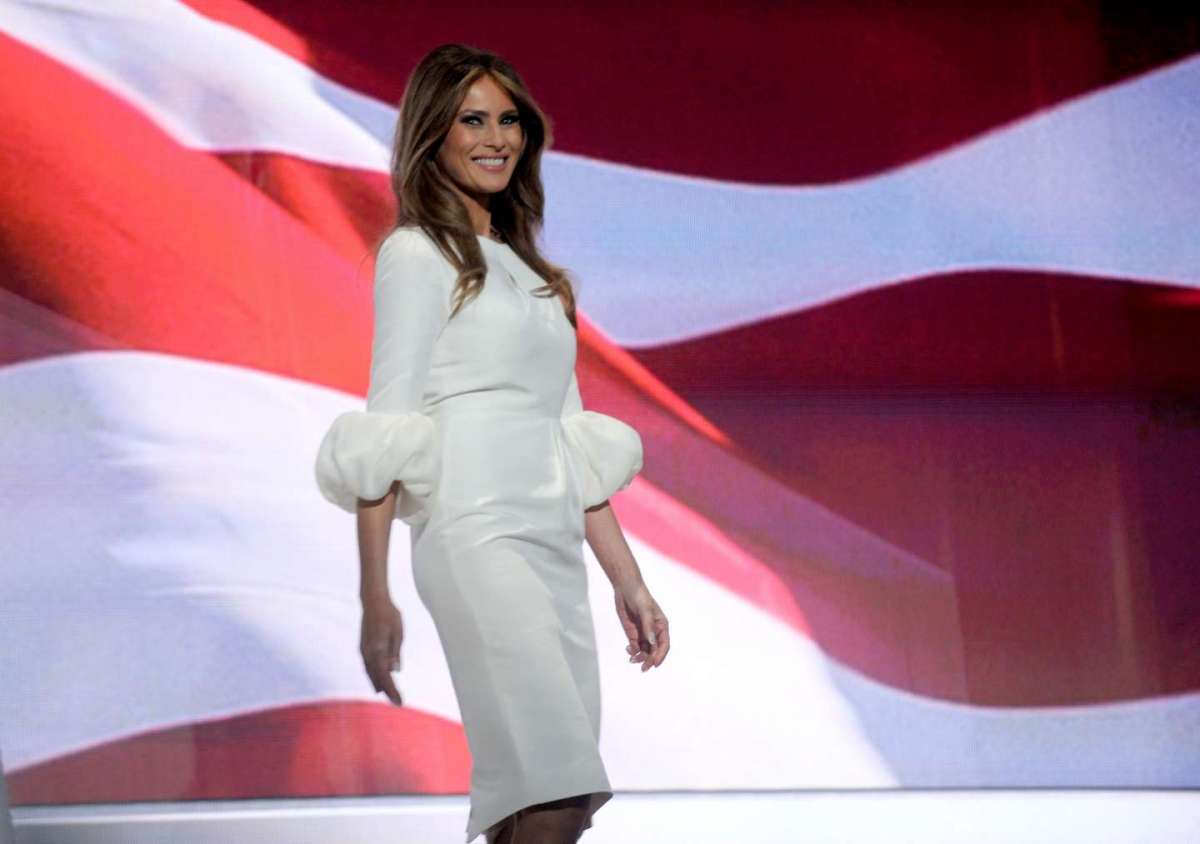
[493, 164]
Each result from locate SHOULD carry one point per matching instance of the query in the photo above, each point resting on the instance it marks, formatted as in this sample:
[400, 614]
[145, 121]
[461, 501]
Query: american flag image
[904, 301]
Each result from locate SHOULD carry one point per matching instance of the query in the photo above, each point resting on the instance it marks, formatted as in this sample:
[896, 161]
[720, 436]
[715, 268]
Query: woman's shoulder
[409, 240]
[410, 248]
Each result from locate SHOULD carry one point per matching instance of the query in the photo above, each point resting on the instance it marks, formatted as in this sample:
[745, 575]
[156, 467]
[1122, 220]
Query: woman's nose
[495, 137]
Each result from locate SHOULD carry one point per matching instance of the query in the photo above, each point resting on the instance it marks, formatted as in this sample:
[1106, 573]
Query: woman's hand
[645, 625]
[382, 634]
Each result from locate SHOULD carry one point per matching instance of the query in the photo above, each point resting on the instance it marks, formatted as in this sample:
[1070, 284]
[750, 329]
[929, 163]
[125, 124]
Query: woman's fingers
[380, 662]
[389, 687]
[664, 642]
[627, 623]
[395, 638]
[394, 641]
[379, 666]
[649, 641]
[657, 636]
[646, 628]
[630, 627]
[379, 645]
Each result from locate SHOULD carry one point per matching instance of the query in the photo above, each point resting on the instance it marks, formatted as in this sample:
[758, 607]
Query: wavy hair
[423, 189]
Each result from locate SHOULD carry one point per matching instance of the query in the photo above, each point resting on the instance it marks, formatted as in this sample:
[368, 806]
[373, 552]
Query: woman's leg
[555, 822]
[503, 834]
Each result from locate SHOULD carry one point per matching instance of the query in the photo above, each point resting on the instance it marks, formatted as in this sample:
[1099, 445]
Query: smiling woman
[485, 140]
[475, 435]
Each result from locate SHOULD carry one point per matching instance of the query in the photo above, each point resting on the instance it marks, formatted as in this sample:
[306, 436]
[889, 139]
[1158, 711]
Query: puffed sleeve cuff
[607, 452]
[363, 452]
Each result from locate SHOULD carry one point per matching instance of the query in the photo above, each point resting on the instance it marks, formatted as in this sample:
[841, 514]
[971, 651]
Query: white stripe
[1105, 185]
[208, 85]
[743, 701]
[169, 560]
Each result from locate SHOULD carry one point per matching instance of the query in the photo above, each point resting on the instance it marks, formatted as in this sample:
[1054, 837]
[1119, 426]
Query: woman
[475, 436]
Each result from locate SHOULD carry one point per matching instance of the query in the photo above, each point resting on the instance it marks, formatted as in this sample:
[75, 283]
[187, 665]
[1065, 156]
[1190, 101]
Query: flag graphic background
[903, 302]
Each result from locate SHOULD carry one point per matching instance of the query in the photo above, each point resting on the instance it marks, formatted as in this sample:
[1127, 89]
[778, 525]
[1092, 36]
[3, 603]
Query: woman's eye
[471, 118]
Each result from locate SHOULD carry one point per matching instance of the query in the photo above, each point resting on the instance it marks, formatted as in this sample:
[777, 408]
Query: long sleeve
[607, 451]
[411, 306]
[364, 451]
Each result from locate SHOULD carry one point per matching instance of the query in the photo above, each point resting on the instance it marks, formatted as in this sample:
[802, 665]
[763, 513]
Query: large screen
[903, 300]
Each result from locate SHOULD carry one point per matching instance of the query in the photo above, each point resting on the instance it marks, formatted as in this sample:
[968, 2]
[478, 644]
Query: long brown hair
[424, 196]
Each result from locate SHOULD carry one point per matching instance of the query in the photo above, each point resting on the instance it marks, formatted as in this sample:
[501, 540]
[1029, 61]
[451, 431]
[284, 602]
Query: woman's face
[485, 140]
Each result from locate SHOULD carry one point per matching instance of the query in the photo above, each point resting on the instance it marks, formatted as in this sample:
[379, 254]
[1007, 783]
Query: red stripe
[142, 240]
[760, 91]
[989, 330]
[326, 749]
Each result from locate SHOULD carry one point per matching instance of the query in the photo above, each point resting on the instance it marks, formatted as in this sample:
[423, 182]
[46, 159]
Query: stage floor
[927, 816]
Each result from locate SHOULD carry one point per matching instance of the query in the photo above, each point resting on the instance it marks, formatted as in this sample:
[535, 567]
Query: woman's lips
[486, 162]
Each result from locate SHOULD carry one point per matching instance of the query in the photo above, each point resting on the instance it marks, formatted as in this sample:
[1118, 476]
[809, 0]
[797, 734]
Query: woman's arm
[601, 528]
[642, 619]
[607, 542]
[374, 534]
[411, 307]
[614, 452]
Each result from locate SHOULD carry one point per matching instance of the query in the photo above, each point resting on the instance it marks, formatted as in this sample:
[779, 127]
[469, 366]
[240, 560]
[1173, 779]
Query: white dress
[479, 417]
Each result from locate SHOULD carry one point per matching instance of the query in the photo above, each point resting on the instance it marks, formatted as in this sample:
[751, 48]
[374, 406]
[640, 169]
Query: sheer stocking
[555, 822]
[503, 834]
